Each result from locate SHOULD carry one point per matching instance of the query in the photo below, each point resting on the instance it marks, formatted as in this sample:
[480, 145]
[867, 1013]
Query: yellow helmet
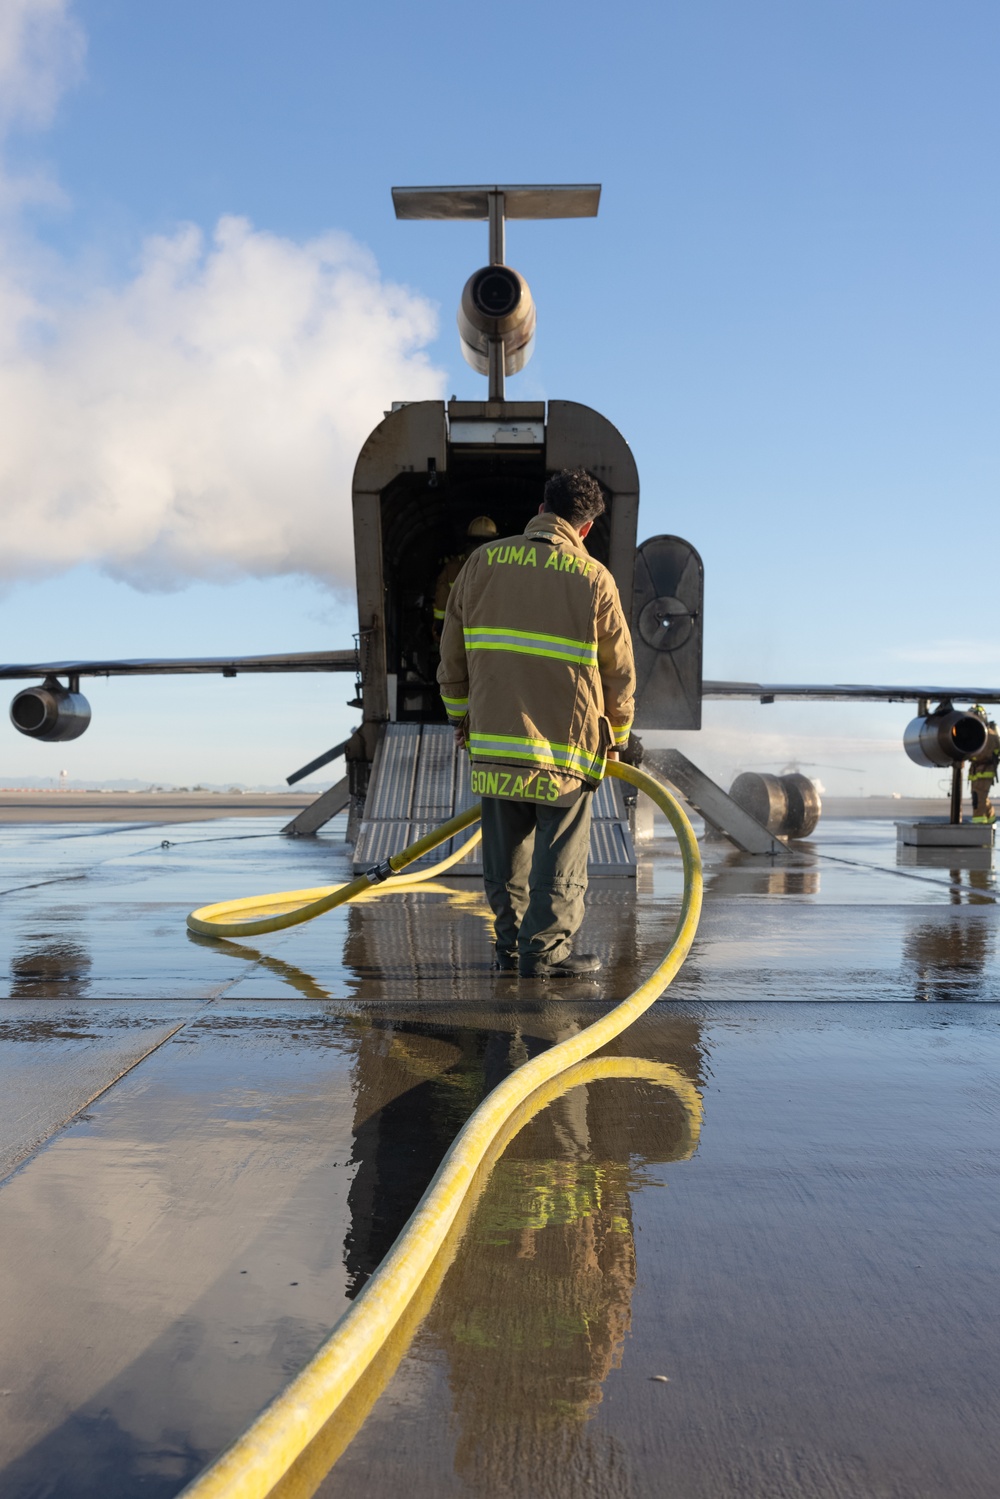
[482, 526]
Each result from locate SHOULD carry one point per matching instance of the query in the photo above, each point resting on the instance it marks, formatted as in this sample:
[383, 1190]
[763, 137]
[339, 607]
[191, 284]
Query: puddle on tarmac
[843, 922]
[773, 1314]
[816, 1281]
[797, 1276]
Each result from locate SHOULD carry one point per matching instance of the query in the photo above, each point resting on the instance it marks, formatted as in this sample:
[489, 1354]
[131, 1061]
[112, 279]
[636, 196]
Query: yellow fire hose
[314, 1463]
[272, 913]
[254, 1464]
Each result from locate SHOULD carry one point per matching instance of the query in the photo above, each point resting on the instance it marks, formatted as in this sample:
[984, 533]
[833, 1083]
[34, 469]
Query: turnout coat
[536, 664]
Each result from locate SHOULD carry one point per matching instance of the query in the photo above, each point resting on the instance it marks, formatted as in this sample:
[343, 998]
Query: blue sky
[788, 305]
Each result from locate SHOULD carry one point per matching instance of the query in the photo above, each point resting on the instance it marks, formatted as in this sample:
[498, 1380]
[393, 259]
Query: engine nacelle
[497, 304]
[51, 712]
[945, 739]
[788, 806]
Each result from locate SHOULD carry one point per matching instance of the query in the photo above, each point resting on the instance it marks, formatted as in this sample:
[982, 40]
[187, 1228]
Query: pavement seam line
[906, 874]
[106, 1088]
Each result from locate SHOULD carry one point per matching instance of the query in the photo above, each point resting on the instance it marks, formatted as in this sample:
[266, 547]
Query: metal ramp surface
[420, 779]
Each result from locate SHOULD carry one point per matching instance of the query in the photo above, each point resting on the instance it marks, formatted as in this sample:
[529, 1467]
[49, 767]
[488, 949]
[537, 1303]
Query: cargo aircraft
[428, 470]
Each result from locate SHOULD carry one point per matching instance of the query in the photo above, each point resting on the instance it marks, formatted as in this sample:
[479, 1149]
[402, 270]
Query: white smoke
[202, 419]
[812, 740]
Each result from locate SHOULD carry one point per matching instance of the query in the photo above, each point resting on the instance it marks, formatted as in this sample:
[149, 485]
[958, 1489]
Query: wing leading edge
[768, 692]
[227, 666]
[764, 692]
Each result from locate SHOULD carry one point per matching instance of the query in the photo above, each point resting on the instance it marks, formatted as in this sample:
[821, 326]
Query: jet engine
[51, 712]
[496, 306]
[788, 806]
[945, 738]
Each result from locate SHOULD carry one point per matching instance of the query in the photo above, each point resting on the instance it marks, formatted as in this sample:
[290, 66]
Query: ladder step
[420, 779]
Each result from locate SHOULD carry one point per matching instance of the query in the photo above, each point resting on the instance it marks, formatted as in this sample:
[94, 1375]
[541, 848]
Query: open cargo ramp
[420, 779]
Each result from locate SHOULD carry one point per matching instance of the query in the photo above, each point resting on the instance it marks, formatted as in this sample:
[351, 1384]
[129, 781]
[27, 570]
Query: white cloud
[41, 54]
[203, 418]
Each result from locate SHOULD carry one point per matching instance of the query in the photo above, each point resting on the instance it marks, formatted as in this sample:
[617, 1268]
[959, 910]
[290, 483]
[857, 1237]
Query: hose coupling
[379, 873]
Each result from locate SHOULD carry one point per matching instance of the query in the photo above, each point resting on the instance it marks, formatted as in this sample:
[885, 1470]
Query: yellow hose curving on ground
[311, 1467]
[255, 1463]
[272, 913]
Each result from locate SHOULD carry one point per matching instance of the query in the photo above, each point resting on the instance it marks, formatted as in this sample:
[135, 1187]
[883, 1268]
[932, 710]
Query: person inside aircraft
[480, 530]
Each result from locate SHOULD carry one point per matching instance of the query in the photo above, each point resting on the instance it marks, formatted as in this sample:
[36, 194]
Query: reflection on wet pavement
[50, 966]
[202, 1228]
[553, 1239]
[739, 879]
[816, 1280]
[951, 960]
[837, 924]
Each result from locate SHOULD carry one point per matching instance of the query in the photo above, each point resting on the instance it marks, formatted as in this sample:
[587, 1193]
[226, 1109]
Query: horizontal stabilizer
[577, 200]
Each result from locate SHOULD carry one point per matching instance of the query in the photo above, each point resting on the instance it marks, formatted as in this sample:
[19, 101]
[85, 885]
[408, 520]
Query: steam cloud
[203, 419]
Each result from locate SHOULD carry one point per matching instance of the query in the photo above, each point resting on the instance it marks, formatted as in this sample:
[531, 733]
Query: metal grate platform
[420, 779]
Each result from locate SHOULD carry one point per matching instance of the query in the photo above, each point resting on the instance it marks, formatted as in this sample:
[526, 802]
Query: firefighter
[480, 530]
[983, 771]
[538, 679]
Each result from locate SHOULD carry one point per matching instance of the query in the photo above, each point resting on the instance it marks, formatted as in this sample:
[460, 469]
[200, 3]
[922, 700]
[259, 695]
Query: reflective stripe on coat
[537, 656]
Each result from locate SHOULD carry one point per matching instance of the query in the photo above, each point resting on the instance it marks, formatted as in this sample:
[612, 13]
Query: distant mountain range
[53, 783]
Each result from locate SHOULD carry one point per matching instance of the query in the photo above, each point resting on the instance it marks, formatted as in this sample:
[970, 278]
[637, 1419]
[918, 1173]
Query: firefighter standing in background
[538, 679]
[480, 530]
[983, 771]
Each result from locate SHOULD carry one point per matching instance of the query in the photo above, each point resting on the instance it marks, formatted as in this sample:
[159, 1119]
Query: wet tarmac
[137, 807]
[207, 1149]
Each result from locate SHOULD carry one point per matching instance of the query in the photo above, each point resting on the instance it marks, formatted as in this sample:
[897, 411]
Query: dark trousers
[535, 873]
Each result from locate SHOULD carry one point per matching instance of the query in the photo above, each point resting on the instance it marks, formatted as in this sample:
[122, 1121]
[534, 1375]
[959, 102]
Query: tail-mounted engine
[496, 318]
[52, 713]
[496, 307]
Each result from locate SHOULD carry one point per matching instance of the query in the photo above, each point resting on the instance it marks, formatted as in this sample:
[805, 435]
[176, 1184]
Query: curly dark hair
[574, 495]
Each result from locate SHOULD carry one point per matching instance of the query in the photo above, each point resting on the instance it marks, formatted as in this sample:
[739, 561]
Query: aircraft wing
[227, 666]
[768, 692]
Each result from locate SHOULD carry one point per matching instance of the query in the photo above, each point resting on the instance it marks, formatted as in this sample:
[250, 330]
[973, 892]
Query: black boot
[570, 968]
